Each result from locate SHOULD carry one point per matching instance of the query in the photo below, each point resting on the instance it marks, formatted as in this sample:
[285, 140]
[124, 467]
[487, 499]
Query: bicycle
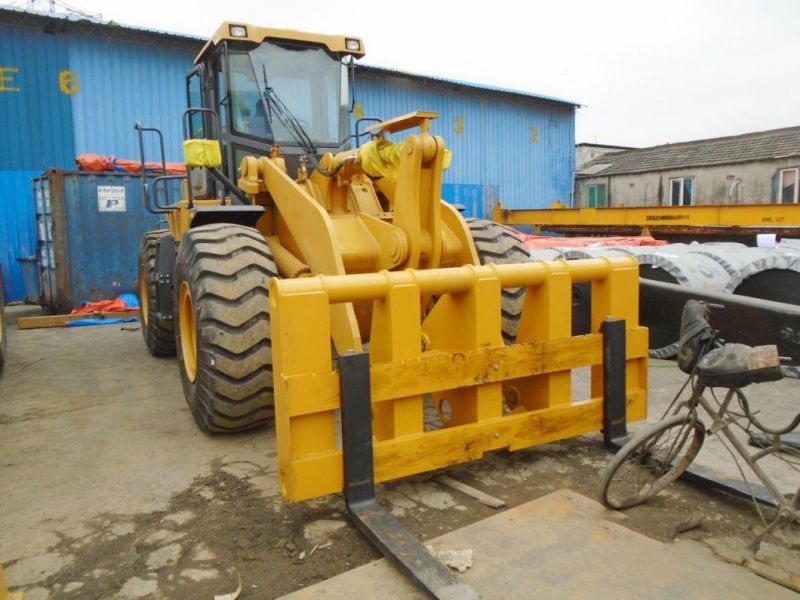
[660, 453]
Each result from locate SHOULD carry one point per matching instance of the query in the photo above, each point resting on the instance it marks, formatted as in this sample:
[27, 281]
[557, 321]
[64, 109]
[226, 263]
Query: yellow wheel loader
[275, 189]
[322, 282]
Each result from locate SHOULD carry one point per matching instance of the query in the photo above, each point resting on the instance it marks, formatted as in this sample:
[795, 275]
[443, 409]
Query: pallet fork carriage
[496, 396]
[288, 243]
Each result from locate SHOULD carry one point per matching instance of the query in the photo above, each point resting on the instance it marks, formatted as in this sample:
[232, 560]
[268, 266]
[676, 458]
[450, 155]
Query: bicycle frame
[722, 419]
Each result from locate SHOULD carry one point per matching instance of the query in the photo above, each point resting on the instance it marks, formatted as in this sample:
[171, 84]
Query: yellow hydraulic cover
[202, 153]
[487, 395]
[381, 158]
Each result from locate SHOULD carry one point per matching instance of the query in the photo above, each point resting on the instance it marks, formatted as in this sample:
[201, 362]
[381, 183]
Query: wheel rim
[144, 295]
[187, 329]
[656, 462]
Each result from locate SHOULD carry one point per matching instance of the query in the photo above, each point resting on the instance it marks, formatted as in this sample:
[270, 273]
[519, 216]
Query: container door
[106, 218]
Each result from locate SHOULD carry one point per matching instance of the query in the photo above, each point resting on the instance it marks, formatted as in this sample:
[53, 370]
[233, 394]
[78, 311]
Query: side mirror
[198, 180]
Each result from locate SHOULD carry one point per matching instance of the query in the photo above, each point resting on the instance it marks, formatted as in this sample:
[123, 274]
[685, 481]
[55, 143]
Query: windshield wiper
[290, 122]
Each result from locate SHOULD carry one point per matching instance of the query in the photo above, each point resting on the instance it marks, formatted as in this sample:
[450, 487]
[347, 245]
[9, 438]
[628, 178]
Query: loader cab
[244, 70]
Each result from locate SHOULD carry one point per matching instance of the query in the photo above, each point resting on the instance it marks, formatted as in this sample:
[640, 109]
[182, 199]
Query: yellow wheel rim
[188, 332]
[144, 295]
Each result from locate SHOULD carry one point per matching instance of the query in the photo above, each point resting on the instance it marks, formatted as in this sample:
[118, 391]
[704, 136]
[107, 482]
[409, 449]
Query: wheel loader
[278, 187]
[311, 278]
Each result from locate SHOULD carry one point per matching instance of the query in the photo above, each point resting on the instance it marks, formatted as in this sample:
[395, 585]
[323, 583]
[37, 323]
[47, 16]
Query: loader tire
[222, 326]
[159, 334]
[497, 244]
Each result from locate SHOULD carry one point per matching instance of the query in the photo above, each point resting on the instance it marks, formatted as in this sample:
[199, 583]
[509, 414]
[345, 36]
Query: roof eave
[687, 166]
[468, 84]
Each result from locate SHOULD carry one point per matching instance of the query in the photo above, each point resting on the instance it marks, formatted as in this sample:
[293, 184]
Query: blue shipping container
[89, 226]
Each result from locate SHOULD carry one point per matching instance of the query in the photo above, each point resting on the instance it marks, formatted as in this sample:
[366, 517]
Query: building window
[788, 190]
[596, 195]
[681, 191]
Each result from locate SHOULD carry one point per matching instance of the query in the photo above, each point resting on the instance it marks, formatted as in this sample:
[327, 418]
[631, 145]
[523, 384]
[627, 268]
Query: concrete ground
[579, 549]
[109, 491]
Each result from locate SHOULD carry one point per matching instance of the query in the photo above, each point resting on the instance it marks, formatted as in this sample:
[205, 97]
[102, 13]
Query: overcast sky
[646, 72]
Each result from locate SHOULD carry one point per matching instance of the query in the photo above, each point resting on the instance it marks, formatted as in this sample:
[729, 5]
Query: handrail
[151, 206]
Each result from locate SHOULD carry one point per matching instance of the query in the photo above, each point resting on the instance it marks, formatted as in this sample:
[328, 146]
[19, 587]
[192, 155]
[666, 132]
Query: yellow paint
[337, 225]
[456, 354]
[256, 35]
[653, 217]
[68, 82]
[459, 125]
[7, 79]
[358, 111]
[188, 331]
[386, 261]
[412, 120]
[534, 135]
[144, 294]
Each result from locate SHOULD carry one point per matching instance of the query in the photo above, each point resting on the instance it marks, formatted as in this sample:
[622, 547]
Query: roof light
[238, 31]
[352, 44]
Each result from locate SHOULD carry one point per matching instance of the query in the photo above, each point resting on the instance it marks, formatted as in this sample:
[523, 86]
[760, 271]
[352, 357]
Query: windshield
[309, 81]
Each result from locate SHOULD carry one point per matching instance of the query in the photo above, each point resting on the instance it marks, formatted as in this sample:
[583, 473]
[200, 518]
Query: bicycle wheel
[652, 460]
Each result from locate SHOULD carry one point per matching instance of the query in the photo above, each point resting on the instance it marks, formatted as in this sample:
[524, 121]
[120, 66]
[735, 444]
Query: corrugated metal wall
[17, 228]
[71, 91]
[519, 150]
[123, 82]
[34, 113]
[80, 88]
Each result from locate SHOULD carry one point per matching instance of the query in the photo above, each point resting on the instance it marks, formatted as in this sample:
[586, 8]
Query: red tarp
[116, 305]
[96, 162]
[539, 242]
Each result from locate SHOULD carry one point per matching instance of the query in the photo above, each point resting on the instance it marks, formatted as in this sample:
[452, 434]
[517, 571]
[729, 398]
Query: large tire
[497, 244]
[159, 334]
[651, 461]
[222, 329]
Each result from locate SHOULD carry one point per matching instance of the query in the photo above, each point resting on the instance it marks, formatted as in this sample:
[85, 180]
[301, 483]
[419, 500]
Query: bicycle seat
[695, 334]
[737, 365]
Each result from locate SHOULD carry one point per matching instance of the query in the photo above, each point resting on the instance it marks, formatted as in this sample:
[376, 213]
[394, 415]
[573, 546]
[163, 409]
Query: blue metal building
[507, 145]
[69, 85]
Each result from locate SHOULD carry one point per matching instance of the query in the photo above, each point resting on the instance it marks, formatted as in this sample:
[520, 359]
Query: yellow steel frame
[456, 354]
[654, 217]
[337, 225]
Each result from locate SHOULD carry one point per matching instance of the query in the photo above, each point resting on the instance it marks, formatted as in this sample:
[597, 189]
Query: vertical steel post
[614, 385]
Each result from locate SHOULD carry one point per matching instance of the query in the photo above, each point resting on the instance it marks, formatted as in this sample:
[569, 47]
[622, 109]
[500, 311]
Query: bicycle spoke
[651, 461]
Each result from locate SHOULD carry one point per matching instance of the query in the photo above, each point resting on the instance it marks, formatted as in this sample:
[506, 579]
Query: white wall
[711, 184]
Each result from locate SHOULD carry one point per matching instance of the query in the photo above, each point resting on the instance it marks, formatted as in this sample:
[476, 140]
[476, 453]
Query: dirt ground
[109, 491]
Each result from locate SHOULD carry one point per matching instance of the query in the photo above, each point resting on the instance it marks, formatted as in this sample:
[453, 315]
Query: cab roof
[337, 44]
